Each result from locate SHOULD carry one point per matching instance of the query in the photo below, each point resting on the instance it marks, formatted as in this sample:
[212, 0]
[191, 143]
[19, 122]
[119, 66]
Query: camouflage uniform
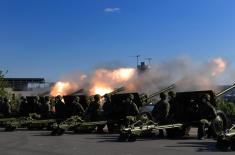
[207, 114]
[24, 107]
[77, 108]
[107, 107]
[173, 112]
[160, 112]
[60, 111]
[35, 105]
[131, 110]
[45, 108]
[92, 112]
[6, 107]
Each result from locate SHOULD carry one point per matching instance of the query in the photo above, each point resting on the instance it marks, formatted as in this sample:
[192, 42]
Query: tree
[227, 107]
[2, 84]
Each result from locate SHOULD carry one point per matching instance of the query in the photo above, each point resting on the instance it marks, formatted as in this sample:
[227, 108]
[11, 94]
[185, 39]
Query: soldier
[24, 107]
[6, 107]
[107, 107]
[45, 108]
[173, 106]
[144, 99]
[85, 102]
[14, 103]
[60, 111]
[160, 112]
[92, 112]
[131, 110]
[52, 105]
[207, 113]
[77, 108]
[36, 105]
[108, 112]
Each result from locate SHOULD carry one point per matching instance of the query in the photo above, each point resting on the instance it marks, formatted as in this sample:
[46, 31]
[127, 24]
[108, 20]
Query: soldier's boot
[161, 134]
[201, 132]
[100, 129]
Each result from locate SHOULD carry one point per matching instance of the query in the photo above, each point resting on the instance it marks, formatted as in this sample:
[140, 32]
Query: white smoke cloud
[187, 74]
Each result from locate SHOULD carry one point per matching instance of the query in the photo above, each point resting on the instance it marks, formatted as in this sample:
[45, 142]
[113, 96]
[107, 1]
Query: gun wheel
[60, 131]
[57, 132]
[131, 138]
[10, 128]
[233, 144]
[222, 144]
[123, 137]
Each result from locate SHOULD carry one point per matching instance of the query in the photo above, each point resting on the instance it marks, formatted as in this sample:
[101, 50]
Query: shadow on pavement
[201, 146]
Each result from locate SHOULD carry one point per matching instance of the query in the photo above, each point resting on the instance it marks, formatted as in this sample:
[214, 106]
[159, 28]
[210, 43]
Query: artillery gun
[226, 141]
[4, 121]
[33, 121]
[144, 127]
[161, 91]
[117, 118]
[147, 108]
[77, 123]
[184, 118]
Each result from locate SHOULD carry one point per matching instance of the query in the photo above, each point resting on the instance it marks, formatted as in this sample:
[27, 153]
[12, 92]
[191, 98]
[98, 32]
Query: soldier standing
[173, 106]
[107, 107]
[36, 105]
[77, 108]
[160, 112]
[92, 112]
[60, 111]
[6, 107]
[45, 108]
[24, 107]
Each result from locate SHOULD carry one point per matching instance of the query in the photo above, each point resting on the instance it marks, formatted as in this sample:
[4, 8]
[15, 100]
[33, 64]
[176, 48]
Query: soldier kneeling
[207, 114]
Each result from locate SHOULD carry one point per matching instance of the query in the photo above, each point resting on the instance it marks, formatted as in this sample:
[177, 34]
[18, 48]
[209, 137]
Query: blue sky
[50, 38]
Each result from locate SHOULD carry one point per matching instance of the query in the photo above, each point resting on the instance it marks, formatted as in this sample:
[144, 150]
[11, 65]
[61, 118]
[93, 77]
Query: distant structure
[26, 86]
[142, 66]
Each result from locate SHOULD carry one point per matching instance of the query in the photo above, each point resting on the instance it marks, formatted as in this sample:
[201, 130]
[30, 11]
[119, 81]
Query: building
[26, 86]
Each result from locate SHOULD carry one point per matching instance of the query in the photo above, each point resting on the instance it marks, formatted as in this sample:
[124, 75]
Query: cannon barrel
[162, 91]
[116, 91]
[77, 92]
[225, 91]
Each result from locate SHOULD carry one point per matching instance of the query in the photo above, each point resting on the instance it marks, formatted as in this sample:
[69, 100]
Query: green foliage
[2, 84]
[227, 107]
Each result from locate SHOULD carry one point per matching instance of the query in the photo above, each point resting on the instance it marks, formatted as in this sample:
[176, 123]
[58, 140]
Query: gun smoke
[184, 72]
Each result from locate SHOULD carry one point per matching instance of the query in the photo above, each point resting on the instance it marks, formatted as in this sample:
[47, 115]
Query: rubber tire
[233, 144]
[148, 114]
[222, 145]
[224, 118]
[123, 137]
[10, 128]
[131, 138]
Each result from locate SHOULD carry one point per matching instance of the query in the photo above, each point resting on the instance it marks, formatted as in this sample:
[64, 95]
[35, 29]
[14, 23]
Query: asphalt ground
[24, 142]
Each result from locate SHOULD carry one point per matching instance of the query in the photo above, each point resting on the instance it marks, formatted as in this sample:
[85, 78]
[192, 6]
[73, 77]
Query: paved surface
[23, 142]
